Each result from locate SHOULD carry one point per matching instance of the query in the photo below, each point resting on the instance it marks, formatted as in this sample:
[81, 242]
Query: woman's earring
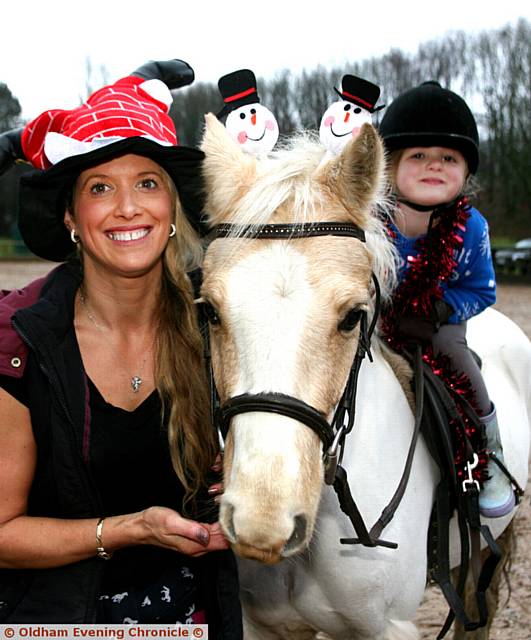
[173, 230]
[73, 237]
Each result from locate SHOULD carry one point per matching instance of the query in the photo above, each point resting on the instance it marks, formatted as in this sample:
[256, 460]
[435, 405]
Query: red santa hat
[131, 107]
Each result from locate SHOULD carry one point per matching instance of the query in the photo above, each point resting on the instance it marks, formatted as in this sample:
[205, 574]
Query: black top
[129, 456]
[15, 387]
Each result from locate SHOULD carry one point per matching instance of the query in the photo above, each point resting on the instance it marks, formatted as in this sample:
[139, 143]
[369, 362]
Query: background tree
[9, 198]
[188, 109]
[94, 78]
[9, 109]
[314, 92]
[502, 65]
[278, 95]
[9, 119]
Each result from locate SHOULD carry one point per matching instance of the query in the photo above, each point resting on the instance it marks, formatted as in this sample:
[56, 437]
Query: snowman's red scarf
[415, 296]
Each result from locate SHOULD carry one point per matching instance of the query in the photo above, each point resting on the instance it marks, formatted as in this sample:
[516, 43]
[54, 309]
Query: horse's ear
[357, 175]
[226, 168]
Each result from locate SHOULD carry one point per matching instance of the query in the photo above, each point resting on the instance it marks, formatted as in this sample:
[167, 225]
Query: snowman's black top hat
[237, 89]
[361, 92]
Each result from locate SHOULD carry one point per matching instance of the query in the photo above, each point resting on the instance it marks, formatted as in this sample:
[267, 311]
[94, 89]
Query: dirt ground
[17, 273]
[513, 622]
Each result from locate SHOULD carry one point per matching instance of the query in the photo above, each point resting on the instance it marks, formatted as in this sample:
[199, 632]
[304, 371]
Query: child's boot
[496, 499]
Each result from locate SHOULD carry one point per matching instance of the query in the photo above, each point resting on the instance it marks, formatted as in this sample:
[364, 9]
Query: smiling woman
[93, 395]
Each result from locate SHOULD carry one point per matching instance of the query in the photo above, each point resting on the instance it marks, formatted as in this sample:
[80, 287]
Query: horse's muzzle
[260, 545]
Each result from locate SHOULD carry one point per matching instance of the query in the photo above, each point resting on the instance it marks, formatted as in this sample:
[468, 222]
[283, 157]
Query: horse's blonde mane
[383, 251]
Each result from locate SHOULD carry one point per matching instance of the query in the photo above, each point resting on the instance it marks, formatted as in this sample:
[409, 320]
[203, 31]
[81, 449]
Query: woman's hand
[166, 528]
[215, 490]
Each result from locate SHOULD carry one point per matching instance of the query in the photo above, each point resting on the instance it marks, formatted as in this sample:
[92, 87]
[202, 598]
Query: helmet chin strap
[437, 210]
[427, 207]
[415, 206]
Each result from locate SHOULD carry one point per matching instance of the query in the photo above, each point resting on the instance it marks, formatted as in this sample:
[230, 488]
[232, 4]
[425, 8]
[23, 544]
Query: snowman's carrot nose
[253, 118]
[347, 116]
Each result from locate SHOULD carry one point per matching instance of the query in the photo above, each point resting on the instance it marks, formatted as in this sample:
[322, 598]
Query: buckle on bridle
[469, 480]
[331, 458]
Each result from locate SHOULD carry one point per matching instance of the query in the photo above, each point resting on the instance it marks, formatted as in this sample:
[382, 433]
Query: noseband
[332, 434]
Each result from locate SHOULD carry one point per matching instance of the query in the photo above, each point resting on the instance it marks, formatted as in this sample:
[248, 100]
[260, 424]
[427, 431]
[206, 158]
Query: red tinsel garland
[415, 296]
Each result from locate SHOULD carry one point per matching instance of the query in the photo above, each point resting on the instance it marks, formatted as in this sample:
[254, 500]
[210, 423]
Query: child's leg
[497, 496]
[451, 340]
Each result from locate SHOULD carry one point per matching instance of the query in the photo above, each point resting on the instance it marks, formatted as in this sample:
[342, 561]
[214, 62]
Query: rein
[333, 434]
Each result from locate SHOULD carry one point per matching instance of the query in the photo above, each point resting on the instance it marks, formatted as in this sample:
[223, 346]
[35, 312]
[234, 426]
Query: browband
[291, 230]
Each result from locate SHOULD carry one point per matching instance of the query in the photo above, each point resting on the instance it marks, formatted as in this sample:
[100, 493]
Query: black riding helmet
[430, 116]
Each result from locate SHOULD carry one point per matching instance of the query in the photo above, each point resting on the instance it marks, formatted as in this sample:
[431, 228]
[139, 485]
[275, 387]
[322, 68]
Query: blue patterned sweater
[472, 286]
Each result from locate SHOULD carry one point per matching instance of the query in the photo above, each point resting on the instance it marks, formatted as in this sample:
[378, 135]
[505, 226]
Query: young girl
[447, 272]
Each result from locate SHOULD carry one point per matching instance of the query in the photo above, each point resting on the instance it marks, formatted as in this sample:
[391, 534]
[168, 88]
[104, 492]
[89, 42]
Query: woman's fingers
[215, 489]
[208, 538]
[169, 529]
[218, 463]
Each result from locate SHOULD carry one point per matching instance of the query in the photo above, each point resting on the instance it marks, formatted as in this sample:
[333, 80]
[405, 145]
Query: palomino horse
[284, 319]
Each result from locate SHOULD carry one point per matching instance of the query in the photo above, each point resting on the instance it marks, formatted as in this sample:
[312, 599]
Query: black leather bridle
[332, 434]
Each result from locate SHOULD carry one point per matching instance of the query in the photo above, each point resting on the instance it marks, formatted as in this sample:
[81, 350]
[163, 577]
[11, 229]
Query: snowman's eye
[253, 111]
[242, 116]
[357, 110]
[346, 107]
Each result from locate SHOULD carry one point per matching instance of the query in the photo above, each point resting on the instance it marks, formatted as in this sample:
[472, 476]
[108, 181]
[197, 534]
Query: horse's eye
[350, 321]
[211, 314]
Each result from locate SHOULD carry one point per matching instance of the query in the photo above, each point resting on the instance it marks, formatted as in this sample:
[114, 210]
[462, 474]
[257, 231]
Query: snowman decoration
[343, 119]
[248, 122]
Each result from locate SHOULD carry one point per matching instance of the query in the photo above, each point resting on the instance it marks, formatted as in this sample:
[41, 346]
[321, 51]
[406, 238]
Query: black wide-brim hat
[43, 194]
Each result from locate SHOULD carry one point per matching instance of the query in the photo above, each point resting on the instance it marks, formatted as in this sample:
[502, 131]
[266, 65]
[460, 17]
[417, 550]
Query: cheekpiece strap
[291, 230]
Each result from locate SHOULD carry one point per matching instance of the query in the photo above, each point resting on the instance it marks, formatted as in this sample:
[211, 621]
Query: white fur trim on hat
[58, 147]
[157, 90]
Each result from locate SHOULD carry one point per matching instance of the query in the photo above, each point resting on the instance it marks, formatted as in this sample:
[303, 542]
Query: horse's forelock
[286, 177]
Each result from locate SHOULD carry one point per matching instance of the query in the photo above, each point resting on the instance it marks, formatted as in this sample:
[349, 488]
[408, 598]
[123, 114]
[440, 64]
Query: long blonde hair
[180, 372]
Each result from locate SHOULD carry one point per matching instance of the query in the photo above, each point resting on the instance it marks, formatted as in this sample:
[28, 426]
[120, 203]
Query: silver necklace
[136, 380]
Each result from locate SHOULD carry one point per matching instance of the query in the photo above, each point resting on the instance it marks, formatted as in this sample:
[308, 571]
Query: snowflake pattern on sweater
[472, 285]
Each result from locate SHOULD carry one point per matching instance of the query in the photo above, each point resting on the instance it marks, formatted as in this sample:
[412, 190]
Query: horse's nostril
[297, 538]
